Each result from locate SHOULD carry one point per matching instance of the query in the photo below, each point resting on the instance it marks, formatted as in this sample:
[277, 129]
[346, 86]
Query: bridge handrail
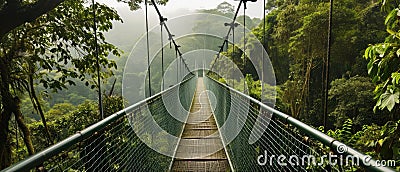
[40, 157]
[313, 133]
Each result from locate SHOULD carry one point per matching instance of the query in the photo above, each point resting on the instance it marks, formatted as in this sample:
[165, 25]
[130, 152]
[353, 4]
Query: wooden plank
[200, 148]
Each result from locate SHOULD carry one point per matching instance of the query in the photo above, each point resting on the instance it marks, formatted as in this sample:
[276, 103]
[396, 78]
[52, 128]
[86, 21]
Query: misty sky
[126, 34]
[254, 9]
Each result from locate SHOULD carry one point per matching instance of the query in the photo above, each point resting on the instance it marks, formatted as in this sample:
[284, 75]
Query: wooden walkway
[200, 148]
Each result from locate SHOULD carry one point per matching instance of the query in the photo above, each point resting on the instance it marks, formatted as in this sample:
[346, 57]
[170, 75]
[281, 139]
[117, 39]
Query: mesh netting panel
[278, 139]
[119, 145]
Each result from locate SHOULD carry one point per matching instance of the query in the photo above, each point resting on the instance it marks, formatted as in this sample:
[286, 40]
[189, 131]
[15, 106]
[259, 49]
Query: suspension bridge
[202, 125]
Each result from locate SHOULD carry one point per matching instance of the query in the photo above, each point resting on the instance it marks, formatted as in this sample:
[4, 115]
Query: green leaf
[370, 67]
[390, 31]
[389, 99]
[398, 52]
[367, 52]
[395, 77]
[392, 15]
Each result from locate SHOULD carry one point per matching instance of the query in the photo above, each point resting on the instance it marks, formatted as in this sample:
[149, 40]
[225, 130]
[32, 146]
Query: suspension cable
[148, 46]
[162, 52]
[262, 52]
[229, 31]
[244, 45]
[177, 64]
[232, 54]
[181, 71]
[170, 35]
[97, 60]
[328, 55]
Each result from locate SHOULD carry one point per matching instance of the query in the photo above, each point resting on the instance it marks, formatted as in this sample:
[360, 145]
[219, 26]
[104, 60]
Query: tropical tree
[352, 98]
[15, 13]
[384, 62]
[50, 51]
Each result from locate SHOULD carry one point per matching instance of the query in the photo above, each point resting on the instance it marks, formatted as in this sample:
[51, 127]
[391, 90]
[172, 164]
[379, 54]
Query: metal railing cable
[282, 135]
[114, 143]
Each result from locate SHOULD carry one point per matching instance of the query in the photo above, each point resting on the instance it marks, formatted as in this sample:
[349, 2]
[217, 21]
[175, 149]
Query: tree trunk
[15, 13]
[38, 107]
[22, 126]
[10, 105]
[5, 149]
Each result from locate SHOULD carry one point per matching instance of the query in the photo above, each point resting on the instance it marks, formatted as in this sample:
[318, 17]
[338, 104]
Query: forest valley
[48, 85]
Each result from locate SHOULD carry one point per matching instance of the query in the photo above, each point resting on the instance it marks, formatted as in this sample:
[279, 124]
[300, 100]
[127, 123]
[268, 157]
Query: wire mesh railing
[254, 139]
[269, 140]
[115, 143]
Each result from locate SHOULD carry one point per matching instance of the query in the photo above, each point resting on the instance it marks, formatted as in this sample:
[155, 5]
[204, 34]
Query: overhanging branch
[14, 16]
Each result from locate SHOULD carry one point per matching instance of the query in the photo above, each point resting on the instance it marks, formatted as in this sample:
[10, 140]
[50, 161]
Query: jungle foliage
[364, 77]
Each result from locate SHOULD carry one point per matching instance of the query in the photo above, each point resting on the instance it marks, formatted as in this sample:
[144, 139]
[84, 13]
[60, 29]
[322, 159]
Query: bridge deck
[200, 148]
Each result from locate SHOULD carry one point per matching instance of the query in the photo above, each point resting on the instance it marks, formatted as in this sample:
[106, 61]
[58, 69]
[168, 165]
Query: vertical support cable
[98, 154]
[204, 68]
[327, 65]
[204, 48]
[180, 67]
[169, 33]
[244, 45]
[162, 56]
[262, 52]
[97, 60]
[177, 65]
[148, 46]
[233, 52]
[230, 28]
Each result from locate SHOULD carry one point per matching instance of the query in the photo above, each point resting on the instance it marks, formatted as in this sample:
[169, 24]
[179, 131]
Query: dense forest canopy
[48, 84]
[364, 80]
[47, 47]
[49, 51]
